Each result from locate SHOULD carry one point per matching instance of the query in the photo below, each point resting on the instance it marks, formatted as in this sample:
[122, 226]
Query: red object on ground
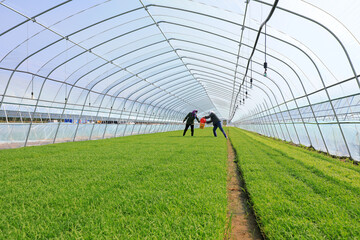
[202, 123]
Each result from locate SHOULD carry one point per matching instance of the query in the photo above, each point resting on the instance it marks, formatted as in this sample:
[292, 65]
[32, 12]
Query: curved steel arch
[323, 140]
[344, 139]
[269, 100]
[214, 17]
[33, 17]
[328, 30]
[167, 97]
[66, 38]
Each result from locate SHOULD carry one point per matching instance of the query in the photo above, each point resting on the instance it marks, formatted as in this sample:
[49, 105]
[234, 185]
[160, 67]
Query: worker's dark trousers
[218, 125]
[186, 128]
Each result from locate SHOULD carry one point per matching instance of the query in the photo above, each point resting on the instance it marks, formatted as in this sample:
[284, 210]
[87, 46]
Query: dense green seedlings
[156, 186]
[296, 193]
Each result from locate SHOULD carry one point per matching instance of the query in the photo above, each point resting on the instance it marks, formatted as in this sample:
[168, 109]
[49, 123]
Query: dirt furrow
[241, 218]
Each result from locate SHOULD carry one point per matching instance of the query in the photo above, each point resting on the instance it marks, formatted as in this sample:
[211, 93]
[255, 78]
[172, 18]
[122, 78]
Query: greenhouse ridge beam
[166, 38]
[53, 25]
[269, 35]
[266, 95]
[237, 57]
[290, 89]
[252, 53]
[67, 39]
[145, 64]
[283, 62]
[33, 17]
[303, 87]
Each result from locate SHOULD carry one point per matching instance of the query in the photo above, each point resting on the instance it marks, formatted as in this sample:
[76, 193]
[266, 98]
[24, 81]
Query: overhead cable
[253, 51]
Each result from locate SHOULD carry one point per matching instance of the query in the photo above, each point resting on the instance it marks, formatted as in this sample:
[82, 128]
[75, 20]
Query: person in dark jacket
[190, 121]
[216, 122]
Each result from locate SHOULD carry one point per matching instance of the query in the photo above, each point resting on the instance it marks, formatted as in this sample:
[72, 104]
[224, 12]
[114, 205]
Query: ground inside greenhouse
[166, 186]
[243, 222]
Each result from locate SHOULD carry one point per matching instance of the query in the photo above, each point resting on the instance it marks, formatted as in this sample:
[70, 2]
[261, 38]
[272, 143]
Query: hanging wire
[89, 98]
[246, 89]
[253, 50]
[27, 59]
[265, 42]
[265, 63]
[65, 69]
[251, 73]
[251, 69]
[87, 69]
[113, 102]
[233, 100]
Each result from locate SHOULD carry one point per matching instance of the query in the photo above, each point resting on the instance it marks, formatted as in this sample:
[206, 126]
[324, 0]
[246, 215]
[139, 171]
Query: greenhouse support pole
[273, 107]
[168, 121]
[165, 119]
[285, 63]
[263, 121]
[258, 122]
[287, 108]
[328, 30]
[269, 126]
[136, 119]
[111, 108]
[172, 47]
[271, 120]
[6, 116]
[351, 65]
[285, 82]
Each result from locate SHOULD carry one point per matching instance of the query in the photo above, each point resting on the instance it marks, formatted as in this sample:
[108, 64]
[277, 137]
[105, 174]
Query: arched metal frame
[155, 90]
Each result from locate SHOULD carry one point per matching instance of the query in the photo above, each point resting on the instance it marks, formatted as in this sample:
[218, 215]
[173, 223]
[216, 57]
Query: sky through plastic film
[176, 20]
[175, 56]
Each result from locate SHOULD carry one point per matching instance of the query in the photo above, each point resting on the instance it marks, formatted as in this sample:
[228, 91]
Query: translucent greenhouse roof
[180, 54]
[103, 57]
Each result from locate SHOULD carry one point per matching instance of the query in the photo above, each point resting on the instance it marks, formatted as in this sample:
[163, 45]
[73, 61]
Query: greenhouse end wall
[13, 135]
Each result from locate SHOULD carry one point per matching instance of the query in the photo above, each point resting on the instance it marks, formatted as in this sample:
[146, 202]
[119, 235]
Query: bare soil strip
[243, 224]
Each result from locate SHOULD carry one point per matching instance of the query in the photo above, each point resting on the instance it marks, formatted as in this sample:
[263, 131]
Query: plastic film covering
[84, 70]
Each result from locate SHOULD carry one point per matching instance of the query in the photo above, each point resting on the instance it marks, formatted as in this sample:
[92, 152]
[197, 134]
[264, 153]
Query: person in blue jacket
[190, 121]
[216, 122]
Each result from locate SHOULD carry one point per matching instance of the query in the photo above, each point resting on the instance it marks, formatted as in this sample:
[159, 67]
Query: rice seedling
[156, 186]
[296, 193]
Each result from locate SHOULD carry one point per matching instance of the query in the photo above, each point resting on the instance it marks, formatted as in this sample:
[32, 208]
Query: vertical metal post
[6, 116]
[258, 122]
[136, 118]
[263, 120]
[271, 121]
[263, 111]
[111, 108]
[49, 115]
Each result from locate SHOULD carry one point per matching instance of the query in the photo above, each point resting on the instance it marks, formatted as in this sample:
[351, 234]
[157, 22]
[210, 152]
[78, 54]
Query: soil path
[243, 224]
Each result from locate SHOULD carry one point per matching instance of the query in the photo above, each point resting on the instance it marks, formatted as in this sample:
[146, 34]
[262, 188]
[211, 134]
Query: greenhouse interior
[281, 77]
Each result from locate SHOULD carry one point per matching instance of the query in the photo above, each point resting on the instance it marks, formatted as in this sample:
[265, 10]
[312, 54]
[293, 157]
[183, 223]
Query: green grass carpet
[156, 186]
[297, 193]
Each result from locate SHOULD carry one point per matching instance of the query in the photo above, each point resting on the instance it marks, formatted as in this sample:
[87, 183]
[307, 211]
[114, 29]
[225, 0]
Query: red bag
[202, 123]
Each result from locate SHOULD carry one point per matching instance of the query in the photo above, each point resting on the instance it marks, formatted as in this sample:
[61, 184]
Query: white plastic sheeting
[14, 135]
[151, 62]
